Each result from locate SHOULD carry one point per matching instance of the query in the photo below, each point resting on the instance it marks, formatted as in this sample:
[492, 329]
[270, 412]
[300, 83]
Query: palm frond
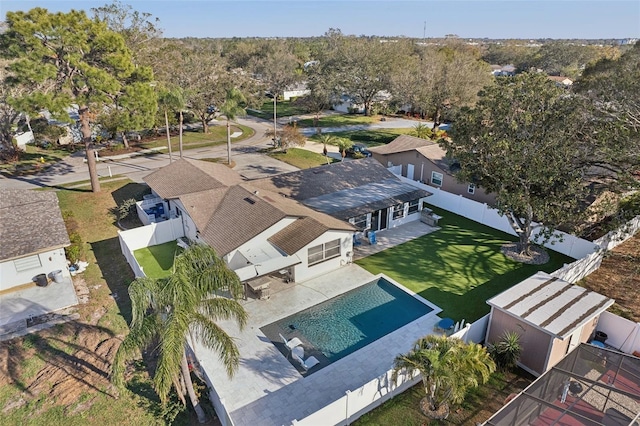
[215, 338]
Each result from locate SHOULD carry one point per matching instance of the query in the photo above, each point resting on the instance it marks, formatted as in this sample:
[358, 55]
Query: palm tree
[449, 367]
[421, 131]
[506, 352]
[327, 139]
[231, 108]
[343, 145]
[166, 311]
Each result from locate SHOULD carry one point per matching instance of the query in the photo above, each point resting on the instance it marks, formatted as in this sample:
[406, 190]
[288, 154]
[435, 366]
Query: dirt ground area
[619, 278]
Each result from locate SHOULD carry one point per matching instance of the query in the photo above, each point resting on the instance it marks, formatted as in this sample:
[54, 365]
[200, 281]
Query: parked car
[358, 151]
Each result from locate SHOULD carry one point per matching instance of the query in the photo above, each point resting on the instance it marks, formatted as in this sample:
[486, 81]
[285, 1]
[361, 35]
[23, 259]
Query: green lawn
[283, 109]
[301, 158]
[457, 267]
[337, 120]
[373, 137]
[157, 261]
[197, 139]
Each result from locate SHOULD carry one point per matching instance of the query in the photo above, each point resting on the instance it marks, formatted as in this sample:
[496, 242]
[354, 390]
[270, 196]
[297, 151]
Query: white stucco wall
[304, 272]
[262, 237]
[52, 260]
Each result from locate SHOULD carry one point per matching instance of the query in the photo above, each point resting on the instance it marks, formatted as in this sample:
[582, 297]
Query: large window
[436, 178]
[413, 206]
[323, 252]
[398, 211]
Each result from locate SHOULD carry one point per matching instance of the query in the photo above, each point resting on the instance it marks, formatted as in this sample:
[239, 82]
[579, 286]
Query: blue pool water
[352, 320]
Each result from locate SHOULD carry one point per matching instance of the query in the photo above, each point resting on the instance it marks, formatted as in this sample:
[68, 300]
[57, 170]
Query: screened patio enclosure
[590, 386]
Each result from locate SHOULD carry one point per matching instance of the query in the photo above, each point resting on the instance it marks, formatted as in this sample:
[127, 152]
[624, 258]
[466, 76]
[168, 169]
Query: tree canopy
[523, 141]
[77, 61]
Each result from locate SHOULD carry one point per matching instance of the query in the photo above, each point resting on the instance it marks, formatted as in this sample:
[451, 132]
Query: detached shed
[551, 316]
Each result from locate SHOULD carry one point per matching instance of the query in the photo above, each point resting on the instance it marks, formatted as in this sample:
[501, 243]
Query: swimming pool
[340, 326]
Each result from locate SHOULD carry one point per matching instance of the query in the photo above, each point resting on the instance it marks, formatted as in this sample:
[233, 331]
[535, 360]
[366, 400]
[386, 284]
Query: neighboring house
[33, 236]
[256, 231]
[22, 139]
[34, 278]
[551, 316]
[425, 161]
[362, 192]
[590, 386]
[503, 70]
[347, 105]
[296, 90]
[561, 81]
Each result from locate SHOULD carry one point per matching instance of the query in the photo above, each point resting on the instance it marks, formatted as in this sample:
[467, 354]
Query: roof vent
[256, 192]
[249, 200]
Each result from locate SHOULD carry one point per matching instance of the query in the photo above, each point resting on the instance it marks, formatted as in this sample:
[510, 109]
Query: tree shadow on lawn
[116, 272]
[131, 190]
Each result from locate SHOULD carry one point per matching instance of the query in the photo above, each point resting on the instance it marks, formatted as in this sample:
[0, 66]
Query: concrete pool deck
[267, 389]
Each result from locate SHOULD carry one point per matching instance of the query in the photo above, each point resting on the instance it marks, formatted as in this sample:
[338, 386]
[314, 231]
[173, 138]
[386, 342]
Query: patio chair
[290, 343]
[307, 364]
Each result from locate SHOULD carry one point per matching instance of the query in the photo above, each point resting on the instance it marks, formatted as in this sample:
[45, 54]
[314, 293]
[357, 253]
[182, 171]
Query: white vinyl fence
[567, 244]
[621, 333]
[146, 236]
[360, 401]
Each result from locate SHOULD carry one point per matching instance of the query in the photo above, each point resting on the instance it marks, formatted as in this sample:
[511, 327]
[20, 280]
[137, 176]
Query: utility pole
[424, 33]
[275, 136]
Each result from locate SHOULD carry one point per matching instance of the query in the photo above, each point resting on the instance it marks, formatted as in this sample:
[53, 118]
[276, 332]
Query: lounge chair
[307, 364]
[291, 343]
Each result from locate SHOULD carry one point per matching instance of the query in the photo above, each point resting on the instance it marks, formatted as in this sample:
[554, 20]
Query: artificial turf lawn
[157, 261]
[458, 267]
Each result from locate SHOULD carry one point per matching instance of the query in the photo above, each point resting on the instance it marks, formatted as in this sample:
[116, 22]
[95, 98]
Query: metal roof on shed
[551, 304]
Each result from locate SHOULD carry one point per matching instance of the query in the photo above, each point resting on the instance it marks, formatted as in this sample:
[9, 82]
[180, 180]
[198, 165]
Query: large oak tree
[78, 62]
[524, 141]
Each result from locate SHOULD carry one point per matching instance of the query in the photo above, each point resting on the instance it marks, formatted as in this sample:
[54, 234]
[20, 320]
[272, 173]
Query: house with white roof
[552, 317]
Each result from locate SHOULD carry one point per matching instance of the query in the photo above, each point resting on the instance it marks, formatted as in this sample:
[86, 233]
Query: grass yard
[283, 109]
[197, 139]
[338, 120]
[457, 267]
[157, 261]
[373, 137]
[479, 404]
[301, 158]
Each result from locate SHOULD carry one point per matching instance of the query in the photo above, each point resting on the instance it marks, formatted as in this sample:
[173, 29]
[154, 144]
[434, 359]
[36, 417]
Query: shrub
[507, 351]
[75, 251]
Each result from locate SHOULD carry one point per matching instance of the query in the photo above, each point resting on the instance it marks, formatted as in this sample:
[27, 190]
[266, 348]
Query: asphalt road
[249, 162]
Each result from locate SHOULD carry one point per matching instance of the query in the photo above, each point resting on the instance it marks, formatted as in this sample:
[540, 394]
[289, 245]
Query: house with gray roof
[425, 161]
[34, 277]
[255, 230]
[361, 192]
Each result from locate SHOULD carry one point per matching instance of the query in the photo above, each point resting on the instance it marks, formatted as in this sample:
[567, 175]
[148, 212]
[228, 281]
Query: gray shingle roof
[311, 183]
[186, 176]
[30, 222]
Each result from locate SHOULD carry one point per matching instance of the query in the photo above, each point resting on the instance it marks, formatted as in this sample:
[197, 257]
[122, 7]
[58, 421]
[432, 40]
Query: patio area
[392, 237]
[17, 307]
[267, 389]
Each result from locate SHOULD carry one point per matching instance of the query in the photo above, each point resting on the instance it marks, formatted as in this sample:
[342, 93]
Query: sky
[525, 19]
